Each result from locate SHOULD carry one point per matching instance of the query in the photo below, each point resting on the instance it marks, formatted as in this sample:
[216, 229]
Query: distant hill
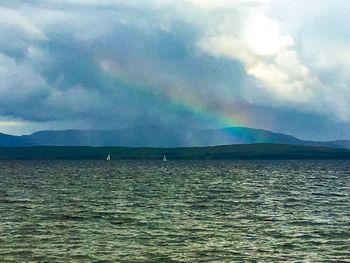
[341, 143]
[227, 152]
[10, 140]
[158, 137]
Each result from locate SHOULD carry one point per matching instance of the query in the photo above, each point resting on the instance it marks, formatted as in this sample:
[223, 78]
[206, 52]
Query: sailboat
[108, 157]
[164, 158]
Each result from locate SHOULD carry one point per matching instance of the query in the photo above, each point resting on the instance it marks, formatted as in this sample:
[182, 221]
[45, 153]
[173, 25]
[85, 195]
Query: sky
[107, 64]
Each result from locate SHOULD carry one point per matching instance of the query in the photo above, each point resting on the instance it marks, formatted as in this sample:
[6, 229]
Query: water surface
[178, 211]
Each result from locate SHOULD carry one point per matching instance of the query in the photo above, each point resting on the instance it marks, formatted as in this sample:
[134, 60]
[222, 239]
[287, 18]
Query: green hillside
[250, 151]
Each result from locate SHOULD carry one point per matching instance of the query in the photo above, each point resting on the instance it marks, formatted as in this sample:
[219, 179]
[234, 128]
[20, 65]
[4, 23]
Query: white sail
[108, 157]
[164, 158]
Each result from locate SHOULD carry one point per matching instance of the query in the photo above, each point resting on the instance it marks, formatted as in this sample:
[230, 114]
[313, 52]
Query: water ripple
[179, 211]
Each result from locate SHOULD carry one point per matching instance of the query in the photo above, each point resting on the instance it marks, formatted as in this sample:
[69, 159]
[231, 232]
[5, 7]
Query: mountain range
[146, 136]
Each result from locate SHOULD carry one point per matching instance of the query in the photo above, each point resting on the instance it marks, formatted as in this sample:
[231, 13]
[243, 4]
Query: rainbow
[190, 102]
[196, 106]
[234, 116]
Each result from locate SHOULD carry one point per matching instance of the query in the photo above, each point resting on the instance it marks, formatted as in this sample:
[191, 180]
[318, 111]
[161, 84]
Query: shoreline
[224, 152]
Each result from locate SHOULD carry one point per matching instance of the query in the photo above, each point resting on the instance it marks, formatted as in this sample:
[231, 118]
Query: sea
[175, 211]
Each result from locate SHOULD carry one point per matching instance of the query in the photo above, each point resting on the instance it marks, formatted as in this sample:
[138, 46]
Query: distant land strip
[226, 152]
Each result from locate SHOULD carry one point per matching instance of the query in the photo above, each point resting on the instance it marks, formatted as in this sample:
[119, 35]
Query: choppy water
[180, 211]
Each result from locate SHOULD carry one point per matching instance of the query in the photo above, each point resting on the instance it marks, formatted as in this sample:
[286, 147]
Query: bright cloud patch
[267, 55]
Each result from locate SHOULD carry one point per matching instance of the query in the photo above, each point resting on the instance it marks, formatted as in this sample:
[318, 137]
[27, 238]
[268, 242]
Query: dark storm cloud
[108, 64]
[62, 64]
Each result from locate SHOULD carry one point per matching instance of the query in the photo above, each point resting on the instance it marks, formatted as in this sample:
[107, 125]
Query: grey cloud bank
[109, 64]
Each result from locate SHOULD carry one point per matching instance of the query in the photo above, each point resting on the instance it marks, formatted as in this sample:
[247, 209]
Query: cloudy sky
[104, 64]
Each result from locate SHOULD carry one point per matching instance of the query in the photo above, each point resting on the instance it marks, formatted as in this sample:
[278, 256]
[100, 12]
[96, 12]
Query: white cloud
[267, 55]
[18, 81]
[16, 21]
